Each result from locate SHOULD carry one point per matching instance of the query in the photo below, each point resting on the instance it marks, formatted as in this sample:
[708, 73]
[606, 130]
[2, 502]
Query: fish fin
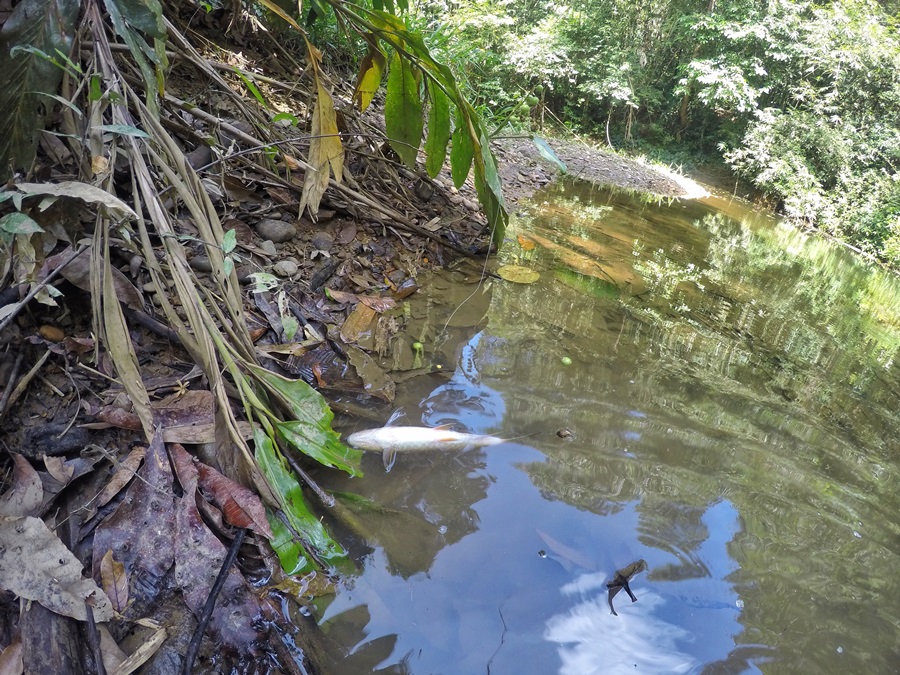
[628, 590]
[612, 593]
[395, 417]
[444, 427]
[388, 457]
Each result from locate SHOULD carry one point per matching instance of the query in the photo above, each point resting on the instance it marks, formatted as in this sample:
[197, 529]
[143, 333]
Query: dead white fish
[391, 440]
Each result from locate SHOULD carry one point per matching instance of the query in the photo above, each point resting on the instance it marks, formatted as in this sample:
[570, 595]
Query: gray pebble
[277, 231]
[322, 241]
[268, 247]
[285, 268]
[201, 263]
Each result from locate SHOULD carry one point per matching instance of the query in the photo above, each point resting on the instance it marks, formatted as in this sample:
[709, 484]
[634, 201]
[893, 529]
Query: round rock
[322, 241]
[285, 268]
[276, 231]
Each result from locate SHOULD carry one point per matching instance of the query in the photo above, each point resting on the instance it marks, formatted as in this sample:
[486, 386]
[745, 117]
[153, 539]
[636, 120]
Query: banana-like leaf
[403, 110]
[371, 71]
[45, 25]
[301, 519]
[438, 129]
[130, 18]
[325, 148]
[461, 152]
[310, 431]
[322, 445]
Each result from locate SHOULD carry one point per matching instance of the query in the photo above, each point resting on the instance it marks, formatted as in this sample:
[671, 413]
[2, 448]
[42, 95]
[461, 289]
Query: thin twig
[94, 641]
[210, 605]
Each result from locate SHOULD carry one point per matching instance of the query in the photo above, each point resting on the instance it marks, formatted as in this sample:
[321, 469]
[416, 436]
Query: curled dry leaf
[26, 494]
[36, 565]
[241, 507]
[114, 581]
[123, 475]
[61, 470]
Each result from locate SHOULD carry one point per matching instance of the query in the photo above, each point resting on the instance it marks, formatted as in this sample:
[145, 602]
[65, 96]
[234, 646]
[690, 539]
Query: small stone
[201, 263]
[276, 231]
[322, 241]
[268, 247]
[285, 268]
[469, 204]
[324, 215]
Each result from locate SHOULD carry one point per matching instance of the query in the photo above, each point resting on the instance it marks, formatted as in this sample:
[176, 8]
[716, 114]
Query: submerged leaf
[403, 110]
[518, 274]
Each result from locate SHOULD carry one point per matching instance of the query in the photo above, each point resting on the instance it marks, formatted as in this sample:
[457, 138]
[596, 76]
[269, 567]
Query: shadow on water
[729, 390]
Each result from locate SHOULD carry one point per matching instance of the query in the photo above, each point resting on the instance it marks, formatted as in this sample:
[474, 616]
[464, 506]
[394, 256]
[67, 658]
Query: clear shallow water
[733, 407]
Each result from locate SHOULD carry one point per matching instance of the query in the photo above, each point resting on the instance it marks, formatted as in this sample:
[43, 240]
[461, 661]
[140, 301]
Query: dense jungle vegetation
[799, 98]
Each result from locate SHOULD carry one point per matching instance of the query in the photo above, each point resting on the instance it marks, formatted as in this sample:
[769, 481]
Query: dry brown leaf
[109, 651]
[61, 470]
[123, 475]
[26, 494]
[11, 662]
[240, 506]
[36, 565]
[114, 581]
[78, 273]
[147, 649]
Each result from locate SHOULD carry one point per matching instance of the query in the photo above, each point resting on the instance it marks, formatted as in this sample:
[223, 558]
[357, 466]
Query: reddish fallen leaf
[241, 507]
[526, 243]
[198, 558]
[378, 303]
[113, 581]
[27, 492]
[117, 417]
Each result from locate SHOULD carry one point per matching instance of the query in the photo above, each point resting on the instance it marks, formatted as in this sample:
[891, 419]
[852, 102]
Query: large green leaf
[461, 152]
[45, 25]
[438, 129]
[403, 110]
[128, 18]
[293, 557]
[310, 431]
[323, 446]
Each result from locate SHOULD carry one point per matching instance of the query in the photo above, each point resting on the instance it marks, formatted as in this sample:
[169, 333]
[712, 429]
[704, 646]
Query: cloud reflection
[593, 642]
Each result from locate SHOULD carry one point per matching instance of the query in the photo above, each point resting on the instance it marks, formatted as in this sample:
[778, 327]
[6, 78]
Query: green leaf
[461, 152]
[286, 116]
[316, 443]
[130, 16]
[438, 129]
[229, 241]
[548, 153]
[300, 518]
[19, 223]
[290, 552]
[44, 25]
[310, 431]
[403, 110]
[251, 85]
[123, 130]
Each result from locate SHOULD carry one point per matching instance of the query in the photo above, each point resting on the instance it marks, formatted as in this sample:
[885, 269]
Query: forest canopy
[799, 98]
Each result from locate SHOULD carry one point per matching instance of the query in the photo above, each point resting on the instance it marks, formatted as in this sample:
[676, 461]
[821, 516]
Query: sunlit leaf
[548, 153]
[371, 71]
[438, 130]
[403, 110]
[321, 445]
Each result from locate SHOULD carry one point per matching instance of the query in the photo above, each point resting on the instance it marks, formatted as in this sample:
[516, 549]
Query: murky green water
[732, 400]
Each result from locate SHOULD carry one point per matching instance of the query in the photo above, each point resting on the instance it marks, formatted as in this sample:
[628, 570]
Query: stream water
[729, 387]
